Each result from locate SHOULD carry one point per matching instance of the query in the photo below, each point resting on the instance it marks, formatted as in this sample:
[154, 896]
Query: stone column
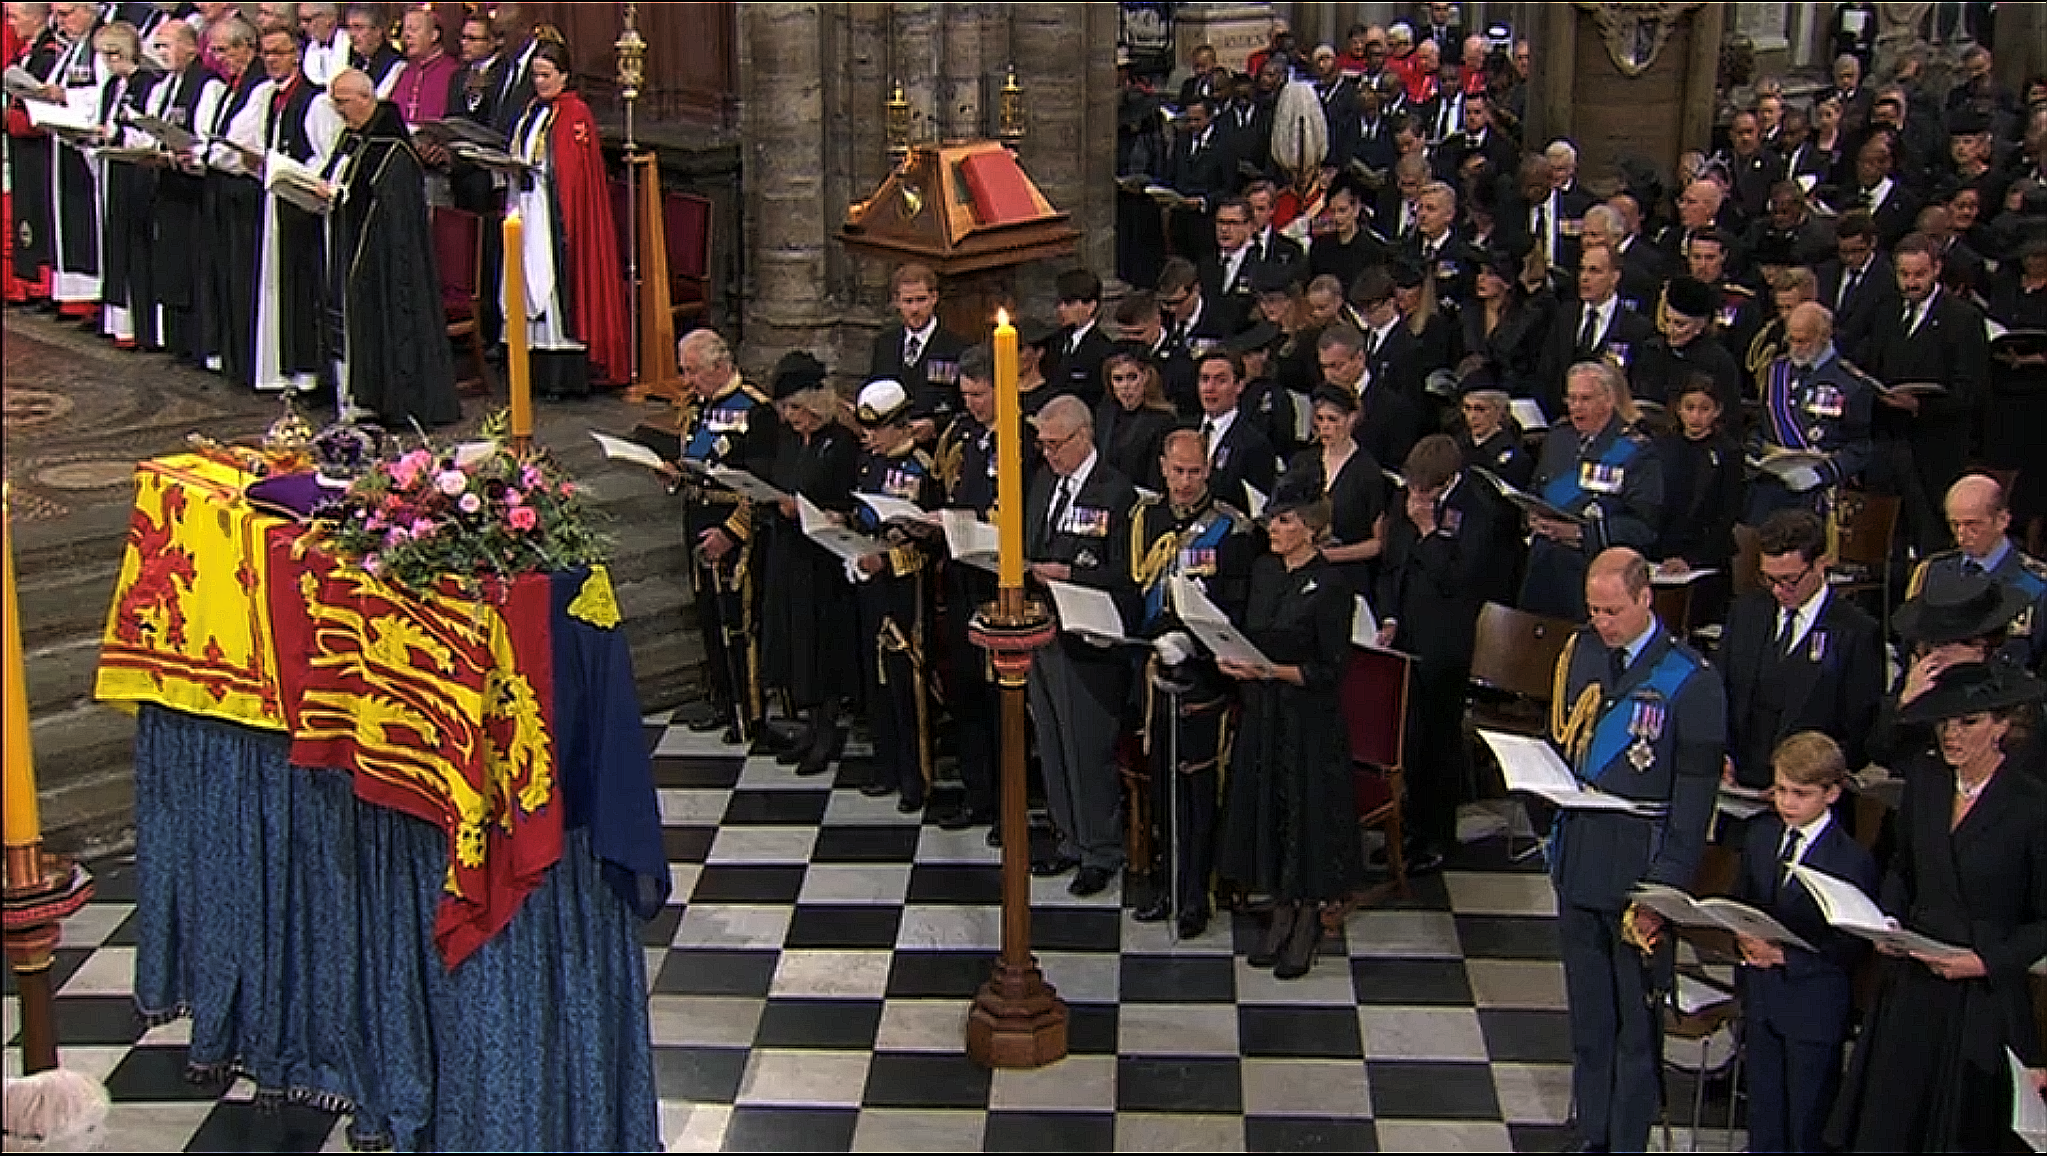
[782, 116]
[1065, 61]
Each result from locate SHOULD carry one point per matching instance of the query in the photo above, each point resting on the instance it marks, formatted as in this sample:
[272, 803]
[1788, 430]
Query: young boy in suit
[1797, 1002]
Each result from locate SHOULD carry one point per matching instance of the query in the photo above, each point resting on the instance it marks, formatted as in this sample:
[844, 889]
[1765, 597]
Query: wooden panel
[691, 71]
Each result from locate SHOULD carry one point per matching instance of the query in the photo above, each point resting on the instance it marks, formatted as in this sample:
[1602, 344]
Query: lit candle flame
[1002, 317]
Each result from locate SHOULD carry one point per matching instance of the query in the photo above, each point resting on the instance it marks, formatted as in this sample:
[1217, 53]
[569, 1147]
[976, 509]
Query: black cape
[389, 327]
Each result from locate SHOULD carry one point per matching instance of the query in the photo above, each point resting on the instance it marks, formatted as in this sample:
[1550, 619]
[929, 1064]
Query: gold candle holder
[898, 124]
[1011, 111]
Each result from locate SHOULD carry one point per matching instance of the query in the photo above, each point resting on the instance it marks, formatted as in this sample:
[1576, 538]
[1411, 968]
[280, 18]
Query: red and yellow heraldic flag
[189, 628]
[443, 708]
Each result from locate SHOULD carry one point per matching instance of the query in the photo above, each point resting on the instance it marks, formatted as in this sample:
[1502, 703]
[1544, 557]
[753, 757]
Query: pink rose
[470, 503]
[406, 470]
[522, 518]
[421, 528]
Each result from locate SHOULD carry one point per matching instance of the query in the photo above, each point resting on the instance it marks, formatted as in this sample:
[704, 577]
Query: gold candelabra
[1011, 111]
[898, 124]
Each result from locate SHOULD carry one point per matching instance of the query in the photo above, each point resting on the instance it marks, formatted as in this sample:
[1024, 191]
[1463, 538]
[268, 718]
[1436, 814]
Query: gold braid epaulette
[1572, 732]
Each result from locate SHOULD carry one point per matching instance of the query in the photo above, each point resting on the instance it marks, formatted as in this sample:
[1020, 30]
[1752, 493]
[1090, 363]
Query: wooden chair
[1673, 606]
[1703, 1027]
[1513, 666]
[1374, 694]
[1863, 527]
[688, 232]
[458, 256]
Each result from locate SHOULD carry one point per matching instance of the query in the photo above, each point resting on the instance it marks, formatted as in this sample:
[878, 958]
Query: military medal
[1646, 724]
[1818, 649]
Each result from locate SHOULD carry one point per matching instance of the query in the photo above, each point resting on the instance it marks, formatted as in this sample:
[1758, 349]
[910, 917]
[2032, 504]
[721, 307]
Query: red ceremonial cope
[597, 295]
[442, 708]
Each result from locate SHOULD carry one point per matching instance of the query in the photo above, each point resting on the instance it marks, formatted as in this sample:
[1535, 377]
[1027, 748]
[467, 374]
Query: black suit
[1623, 339]
[1243, 455]
[1230, 304]
[1078, 369]
[1077, 689]
[1949, 347]
[1831, 681]
[1796, 1016]
[1873, 299]
[1642, 269]
[1434, 585]
[1893, 218]
[932, 381]
[1388, 424]
[515, 88]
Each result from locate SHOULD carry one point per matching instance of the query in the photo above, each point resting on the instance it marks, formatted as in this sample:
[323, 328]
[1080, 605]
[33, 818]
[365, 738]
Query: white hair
[1561, 152]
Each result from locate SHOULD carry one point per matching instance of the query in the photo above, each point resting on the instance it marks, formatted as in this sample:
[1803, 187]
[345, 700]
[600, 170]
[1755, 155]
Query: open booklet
[1206, 621]
[1089, 613]
[1739, 802]
[2028, 1110]
[844, 543]
[746, 485]
[970, 540]
[1714, 911]
[22, 84]
[167, 134]
[1527, 502]
[61, 119]
[620, 449]
[1913, 388]
[1528, 414]
[1532, 765]
[895, 509]
[1847, 908]
[1658, 577]
[296, 183]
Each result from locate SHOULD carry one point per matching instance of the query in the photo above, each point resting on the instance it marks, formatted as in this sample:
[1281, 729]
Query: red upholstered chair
[1374, 697]
[686, 225]
[458, 256]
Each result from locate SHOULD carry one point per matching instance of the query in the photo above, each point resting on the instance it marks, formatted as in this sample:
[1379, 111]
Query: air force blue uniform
[1655, 734]
[1612, 481]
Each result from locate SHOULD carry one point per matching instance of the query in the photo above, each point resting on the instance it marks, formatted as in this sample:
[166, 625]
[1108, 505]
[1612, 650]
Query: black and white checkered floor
[810, 989]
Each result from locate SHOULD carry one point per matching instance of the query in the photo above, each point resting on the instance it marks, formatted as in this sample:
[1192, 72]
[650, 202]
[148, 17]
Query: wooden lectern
[968, 211]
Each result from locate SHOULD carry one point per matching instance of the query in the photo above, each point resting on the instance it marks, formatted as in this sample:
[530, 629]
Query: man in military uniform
[1639, 715]
[1185, 533]
[1737, 314]
[1813, 402]
[966, 465]
[1596, 469]
[726, 421]
[890, 590]
[1077, 529]
[918, 351]
[1978, 516]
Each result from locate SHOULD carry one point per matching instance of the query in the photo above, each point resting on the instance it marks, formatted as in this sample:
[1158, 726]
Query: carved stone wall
[813, 81]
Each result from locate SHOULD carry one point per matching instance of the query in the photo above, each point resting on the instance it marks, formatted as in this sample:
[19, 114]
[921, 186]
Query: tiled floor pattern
[810, 990]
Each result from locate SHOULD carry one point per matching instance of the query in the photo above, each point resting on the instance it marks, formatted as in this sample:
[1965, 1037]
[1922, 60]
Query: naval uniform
[735, 427]
[1210, 544]
[893, 606]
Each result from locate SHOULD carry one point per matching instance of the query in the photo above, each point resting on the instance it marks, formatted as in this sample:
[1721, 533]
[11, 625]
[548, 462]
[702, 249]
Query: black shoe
[814, 762]
[875, 788]
[1193, 923]
[1090, 881]
[1054, 865]
[1158, 910]
[994, 836]
[1585, 1146]
[1424, 862]
[960, 816]
[715, 718]
[908, 805]
[701, 715]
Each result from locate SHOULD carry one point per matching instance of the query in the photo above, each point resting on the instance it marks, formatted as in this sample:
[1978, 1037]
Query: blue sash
[1210, 538]
[1783, 413]
[1617, 728]
[725, 416]
[1564, 492]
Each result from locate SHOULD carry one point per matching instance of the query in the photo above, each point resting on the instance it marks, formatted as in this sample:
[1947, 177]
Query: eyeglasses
[1783, 582]
[1052, 445]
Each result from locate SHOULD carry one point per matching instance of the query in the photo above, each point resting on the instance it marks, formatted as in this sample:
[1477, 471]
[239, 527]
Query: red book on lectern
[1001, 193]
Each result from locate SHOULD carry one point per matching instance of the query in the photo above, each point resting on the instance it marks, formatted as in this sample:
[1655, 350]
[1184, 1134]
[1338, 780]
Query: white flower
[452, 482]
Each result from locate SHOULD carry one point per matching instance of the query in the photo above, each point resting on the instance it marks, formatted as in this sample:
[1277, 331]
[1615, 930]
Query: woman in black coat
[1336, 467]
[1289, 825]
[1970, 870]
[1504, 328]
[1133, 418]
[807, 611]
[1702, 492]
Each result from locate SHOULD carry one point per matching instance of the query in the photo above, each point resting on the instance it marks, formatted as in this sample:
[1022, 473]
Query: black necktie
[1786, 632]
[1616, 666]
[1371, 344]
[1787, 856]
[1588, 333]
[913, 347]
[1848, 284]
[1911, 315]
[1971, 567]
[1059, 500]
[1541, 229]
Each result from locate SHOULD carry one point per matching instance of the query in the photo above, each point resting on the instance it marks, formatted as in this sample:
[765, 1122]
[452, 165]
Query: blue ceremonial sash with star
[1783, 412]
[1564, 492]
[1633, 717]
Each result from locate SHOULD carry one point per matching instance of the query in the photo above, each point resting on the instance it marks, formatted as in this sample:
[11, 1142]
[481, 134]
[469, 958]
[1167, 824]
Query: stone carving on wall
[1634, 33]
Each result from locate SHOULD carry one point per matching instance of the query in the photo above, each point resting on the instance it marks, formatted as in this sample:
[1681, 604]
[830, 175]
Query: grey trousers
[1076, 708]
